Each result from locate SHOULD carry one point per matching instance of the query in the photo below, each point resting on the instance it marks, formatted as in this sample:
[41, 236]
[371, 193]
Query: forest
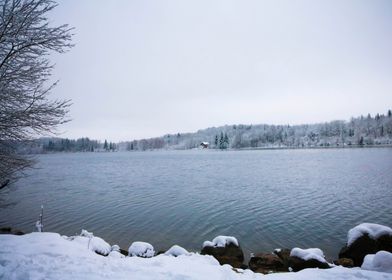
[360, 131]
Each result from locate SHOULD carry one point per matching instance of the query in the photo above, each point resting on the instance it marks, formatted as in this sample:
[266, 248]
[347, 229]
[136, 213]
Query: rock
[266, 263]
[176, 251]
[230, 254]
[298, 264]
[344, 262]
[9, 230]
[365, 245]
[141, 249]
[124, 252]
[284, 255]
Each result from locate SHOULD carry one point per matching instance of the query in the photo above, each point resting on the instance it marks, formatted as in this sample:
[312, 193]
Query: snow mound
[86, 233]
[373, 230]
[308, 254]
[116, 254]
[93, 243]
[221, 241]
[381, 261]
[116, 248]
[176, 251]
[141, 249]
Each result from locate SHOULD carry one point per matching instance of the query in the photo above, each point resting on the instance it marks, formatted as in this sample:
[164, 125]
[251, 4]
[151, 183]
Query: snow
[86, 233]
[39, 226]
[221, 241]
[176, 251]
[93, 243]
[336, 273]
[373, 230]
[116, 248]
[141, 249]
[116, 254]
[381, 261]
[308, 254]
[50, 256]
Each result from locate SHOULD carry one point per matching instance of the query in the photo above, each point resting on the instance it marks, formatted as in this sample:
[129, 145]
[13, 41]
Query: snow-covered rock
[93, 243]
[221, 241]
[308, 254]
[307, 258]
[115, 248]
[49, 256]
[373, 230]
[141, 249]
[176, 251]
[116, 254]
[225, 249]
[366, 239]
[381, 261]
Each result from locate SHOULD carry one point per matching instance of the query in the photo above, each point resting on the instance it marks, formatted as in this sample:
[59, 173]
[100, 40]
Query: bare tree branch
[26, 40]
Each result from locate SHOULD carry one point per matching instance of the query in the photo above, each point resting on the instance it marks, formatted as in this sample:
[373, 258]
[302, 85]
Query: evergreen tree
[226, 141]
[389, 113]
[221, 141]
[105, 145]
[360, 141]
[216, 140]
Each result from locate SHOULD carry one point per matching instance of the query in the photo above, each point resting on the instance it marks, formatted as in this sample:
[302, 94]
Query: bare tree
[26, 41]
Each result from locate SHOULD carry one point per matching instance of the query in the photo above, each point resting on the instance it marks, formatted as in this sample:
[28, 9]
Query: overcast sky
[146, 68]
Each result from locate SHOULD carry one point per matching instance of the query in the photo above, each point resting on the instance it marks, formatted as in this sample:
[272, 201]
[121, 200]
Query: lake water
[267, 199]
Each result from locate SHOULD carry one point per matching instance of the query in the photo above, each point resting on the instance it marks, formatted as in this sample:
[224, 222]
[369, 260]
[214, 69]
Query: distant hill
[361, 131]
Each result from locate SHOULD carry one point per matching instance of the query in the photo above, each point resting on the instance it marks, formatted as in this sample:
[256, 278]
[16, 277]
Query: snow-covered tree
[27, 38]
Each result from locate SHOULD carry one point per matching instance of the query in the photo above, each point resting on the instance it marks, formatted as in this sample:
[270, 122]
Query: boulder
[124, 252]
[266, 263]
[176, 251]
[307, 258]
[298, 264]
[229, 254]
[365, 245]
[141, 249]
[284, 255]
[344, 262]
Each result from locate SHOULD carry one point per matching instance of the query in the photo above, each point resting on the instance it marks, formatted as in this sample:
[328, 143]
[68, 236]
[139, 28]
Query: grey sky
[146, 68]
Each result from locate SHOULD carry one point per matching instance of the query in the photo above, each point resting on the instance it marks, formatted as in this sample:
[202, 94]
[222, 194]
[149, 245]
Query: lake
[267, 199]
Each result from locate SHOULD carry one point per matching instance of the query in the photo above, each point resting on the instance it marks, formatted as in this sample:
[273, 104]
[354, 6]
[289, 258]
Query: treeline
[50, 145]
[69, 145]
[361, 131]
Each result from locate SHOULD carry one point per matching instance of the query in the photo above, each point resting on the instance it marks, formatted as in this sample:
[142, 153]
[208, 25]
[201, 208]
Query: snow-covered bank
[51, 256]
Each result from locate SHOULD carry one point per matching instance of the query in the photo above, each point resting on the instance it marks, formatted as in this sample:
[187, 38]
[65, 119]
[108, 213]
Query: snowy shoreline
[45, 255]
[51, 256]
